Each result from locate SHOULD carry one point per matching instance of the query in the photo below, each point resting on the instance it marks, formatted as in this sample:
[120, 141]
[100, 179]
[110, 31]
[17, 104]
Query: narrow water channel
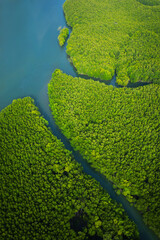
[29, 53]
[145, 232]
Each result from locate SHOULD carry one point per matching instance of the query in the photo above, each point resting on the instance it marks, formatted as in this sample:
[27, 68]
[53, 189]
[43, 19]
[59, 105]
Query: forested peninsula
[44, 192]
[117, 131]
[115, 36]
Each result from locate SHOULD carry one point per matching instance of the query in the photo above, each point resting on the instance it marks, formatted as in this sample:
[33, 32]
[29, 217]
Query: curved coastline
[109, 36]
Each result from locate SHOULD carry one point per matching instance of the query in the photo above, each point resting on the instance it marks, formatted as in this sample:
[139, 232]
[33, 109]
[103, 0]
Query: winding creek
[29, 53]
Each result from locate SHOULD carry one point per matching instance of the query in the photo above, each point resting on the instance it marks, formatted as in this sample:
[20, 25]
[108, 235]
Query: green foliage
[43, 189]
[139, 63]
[117, 131]
[115, 35]
[64, 32]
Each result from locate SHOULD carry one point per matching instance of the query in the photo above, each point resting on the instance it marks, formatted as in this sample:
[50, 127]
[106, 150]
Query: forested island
[45, 193]
[64, 32]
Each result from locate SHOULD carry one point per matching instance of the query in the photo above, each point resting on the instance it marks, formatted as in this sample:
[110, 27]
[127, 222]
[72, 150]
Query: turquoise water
[29, 53]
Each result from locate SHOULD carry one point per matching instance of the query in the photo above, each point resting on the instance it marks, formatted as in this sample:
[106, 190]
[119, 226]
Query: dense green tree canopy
[64, 32]
[44, 193]
[115, 35]
[117, 131]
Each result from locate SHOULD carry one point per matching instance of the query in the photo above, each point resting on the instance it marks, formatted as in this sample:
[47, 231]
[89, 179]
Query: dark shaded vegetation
[44, 193]
[79, 221]
[117, 131]
[115, 35]
[150, 2]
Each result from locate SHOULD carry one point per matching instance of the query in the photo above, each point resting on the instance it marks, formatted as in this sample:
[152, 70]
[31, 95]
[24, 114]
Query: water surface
[29, 50]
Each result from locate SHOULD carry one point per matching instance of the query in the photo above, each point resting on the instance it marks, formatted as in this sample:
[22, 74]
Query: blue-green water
[29, 53]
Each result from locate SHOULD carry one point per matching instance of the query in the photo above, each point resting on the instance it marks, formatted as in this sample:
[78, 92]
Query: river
[29, 53]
